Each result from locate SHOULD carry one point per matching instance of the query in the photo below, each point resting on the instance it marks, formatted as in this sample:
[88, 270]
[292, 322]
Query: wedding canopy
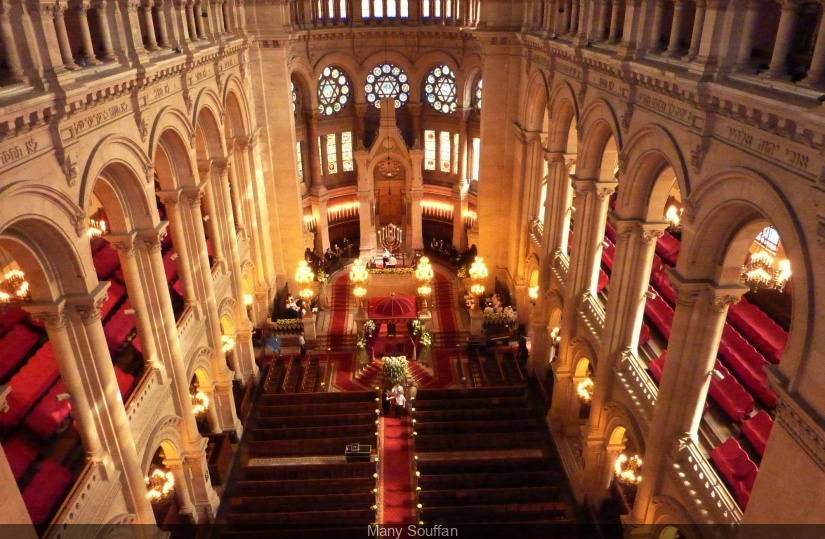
[394, 308]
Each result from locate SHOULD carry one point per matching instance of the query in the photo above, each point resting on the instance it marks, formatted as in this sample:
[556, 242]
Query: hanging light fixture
[585, 390]
[14, 288]
[533, 292]
[628, 469]
[228, 343]
[673, 215]
[478, 270]
[200, 404]
[304, 276]
[97, 228]
[764, 271]
[160, 485]
[424, 270]
[358, 272]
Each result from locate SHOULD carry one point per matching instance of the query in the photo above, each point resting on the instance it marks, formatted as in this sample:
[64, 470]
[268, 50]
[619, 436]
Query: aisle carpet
[396, 475]
[444, 303]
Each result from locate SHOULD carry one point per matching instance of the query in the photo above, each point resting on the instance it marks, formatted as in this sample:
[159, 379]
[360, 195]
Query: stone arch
[597, 125]
[535, 103]
[207, 98]
[166, 434]
[668, 512]
[471, 70]
[581, 347]
[531, 263]
[209, 139]
[124, 198]
[39, 241]
[174, 164]
[563, 113]
[227, 307]
[170, 117]
[432, 59]
[716, 240]
[306, 85]
[398, 59]
[618, 415]
[649, 151]
[236, 110]
[203, 360]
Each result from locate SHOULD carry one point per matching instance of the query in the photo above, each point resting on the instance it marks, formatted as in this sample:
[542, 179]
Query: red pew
[757, 429]
[15, 347]
[738, 470]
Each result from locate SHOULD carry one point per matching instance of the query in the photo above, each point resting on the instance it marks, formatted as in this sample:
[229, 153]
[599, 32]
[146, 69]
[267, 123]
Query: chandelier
[160, 486]
[200, 403]
[424, 290]
[478, 271]
[97, 228]
[765, 272]
[359, 292]
[585, 390]
[533, 292]
[304, 276]
[228, 343]
[248, 300]
[358, 272]
[628, 470]
[14, 287]
[477, 290]
[424, 270]
[673, 215]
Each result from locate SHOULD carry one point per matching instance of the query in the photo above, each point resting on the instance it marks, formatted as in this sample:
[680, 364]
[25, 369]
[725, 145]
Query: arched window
[477, 95]
[294, 97]
[387, 80]
[440, 89]
[333, 91]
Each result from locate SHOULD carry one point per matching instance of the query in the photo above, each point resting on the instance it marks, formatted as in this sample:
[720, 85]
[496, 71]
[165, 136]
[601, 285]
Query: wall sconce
[650, 294]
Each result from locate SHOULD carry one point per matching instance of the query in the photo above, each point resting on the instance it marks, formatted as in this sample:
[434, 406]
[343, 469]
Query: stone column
[462, 185]
[748, 33]
[613, 36]
[366, 200]
[319, 197]
[163, 35]
[152, 44]
[635, 246]
[250, 161]
[592, 198]
[104, 392]
[190, 20]
[784, 38]
[415, 113]
[604, 10]
[314, 148]
[698, 23]
[187, 508]
[416, 195]
[171, 200]
[212, 418]
[673, 48]
[12, 54]
[656, 31]
[213, 223]
[105, 37]
[197, 12]
[45, 43]
[85, 36]
[816, 74]
[13, 509]
[697, 327]
[63, 37]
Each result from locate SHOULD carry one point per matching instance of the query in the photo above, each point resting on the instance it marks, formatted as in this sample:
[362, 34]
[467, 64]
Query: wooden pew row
[302, 503]
[491, 480]
[310, 471]
[320, 398]
[488, 426]
[336, 431]
[476, 442]
[266, 532]
[470, 393]
[493, 513]
[490, 404]
[305, 486]
[299, 421]
[317, 409]
[514, 413]
[487, 496]
[298, 448]
[349, 517]
[481, 465]
[539, 529]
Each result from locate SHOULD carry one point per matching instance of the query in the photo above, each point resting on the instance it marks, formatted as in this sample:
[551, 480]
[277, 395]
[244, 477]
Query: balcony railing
[592, 313]
[637, 383]
[309, 14]
[561, 264]
[536, 230]
[698, 480]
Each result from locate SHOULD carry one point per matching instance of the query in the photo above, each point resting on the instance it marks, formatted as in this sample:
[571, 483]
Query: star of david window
[333, 91]
[440, 89]
[387, 80]
[477, 95]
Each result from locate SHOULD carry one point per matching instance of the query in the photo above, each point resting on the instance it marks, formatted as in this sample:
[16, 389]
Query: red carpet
[443, 292]
[339, 308]
[396, 476]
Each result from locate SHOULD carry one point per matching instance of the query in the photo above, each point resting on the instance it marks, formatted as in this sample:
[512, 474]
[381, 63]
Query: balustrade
[700, 483]
[637, 383]
[592, 313]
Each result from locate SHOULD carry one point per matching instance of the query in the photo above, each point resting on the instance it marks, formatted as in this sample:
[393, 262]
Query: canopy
[394, 308]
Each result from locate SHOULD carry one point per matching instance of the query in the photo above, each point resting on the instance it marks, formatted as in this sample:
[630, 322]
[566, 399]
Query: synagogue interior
[330, 268]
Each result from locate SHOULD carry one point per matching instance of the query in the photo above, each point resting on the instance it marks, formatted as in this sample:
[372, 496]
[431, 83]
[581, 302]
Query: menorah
[390, 237]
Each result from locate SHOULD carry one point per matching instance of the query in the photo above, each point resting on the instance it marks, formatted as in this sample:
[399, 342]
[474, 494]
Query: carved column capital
[194, 195]
[152, 238]
[89, 307]
[169, 198]
[53, 316]
[205, 168]
[125, 244]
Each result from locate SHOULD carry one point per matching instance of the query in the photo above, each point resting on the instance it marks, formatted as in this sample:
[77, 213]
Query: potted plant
[394, 370]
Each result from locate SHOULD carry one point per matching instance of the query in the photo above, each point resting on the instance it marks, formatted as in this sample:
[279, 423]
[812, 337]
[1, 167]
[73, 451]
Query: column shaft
[673, 47]
[784, 38]
[63, 38]
[152, 44]
[176, 227]
[698, 23]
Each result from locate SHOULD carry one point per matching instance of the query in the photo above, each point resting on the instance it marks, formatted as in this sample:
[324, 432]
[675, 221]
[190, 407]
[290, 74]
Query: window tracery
[333, 91]
[440, 89]
[387, 80]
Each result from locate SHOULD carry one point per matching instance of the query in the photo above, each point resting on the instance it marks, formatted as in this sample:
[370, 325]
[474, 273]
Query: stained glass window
[429, 150]
[444, 144]
[320, 10]
[300, 161]
[331, 7]
[332, 156]
[333, 91]
[449, 9]
[437, 8]
[387, 80]
[321, 153]
[346, 150]
[476, 157]
[455, 153]
[440, 89]
[477, 95]
[343, 4]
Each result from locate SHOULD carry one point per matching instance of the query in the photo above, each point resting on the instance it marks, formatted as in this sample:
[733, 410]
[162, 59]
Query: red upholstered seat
[106, 261]
[603, 280]
[729, 394]
[116, 292]
[15, 347]
[610, 232]
[20, 454]
[660, 314]
[125, 382]
[659, 281]
[756, 326]
[11, 318]
[644, 334]
[29, 384]
[49, 414]
[118, 328]
[170, 267]
[657, 367]
[668, 248]
[757, 429]
[736, 468]
[46, 491]
[747, 363]
[607, 256]
[178, 287]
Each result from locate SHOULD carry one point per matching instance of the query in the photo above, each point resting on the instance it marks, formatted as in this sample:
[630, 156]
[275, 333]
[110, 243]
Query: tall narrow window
[405, 9]
[321, 153]
[346, 151]
[320, 9]
[769, 239]
[425, 8]
[365, 9]
[449, 9]
[455, 153]
[437, 8]
[391, 8]
[476, 157]
[332, 155]
[300, 161]
[331, 8]
[343, 4]
[378, 8]
[444, 144]
[429, 150]
[543, 198]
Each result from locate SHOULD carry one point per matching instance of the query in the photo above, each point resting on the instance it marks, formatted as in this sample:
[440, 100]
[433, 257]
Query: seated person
[392, 261]
[434, 244]
[386, 256]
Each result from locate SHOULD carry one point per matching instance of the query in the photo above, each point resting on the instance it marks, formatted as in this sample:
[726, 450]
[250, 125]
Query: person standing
[400, 403]
[385, 402]
[302, 342]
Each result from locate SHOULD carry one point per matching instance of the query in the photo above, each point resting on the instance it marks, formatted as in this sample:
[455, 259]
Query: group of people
[394, 399]
[331, 255]
[295, 308]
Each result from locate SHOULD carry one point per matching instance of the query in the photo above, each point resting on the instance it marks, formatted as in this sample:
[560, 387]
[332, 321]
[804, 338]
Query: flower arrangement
[321, 276]
[415, 327]
[394, 369]
[369, 326]
[391, 271]
[361, 343]
[426, 338]
[462, 271]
